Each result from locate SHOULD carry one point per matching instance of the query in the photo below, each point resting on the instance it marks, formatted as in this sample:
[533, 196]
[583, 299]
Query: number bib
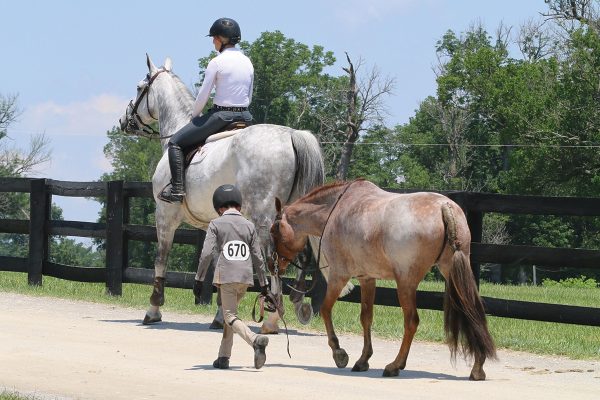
[236, 250]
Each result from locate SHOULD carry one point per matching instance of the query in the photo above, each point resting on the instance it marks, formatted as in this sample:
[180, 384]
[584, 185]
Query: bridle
[133, 118]
[275, 257]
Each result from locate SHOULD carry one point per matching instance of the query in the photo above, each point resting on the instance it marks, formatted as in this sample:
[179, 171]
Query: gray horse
[263, 161]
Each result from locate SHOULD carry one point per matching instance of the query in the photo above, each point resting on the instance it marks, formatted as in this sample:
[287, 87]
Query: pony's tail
[310, 169]
[464, 315]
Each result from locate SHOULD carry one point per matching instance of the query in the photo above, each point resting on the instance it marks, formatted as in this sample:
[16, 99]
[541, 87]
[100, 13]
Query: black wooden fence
[118, 232]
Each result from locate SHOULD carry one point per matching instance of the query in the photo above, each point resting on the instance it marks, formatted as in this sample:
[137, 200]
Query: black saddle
[230, 127]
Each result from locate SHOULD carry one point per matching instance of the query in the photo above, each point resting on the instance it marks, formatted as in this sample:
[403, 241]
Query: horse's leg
[334, 288]
[167, 221]
[407, 297]
[367, 298]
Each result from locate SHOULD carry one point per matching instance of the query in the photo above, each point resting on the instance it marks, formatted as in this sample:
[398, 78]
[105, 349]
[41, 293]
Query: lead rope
[271, 303]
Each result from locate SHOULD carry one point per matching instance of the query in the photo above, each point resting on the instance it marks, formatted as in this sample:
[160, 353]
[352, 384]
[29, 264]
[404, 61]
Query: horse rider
[233, 241]
[231, 73]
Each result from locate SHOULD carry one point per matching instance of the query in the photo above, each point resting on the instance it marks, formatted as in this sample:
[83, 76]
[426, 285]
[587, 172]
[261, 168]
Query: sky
[75, 64]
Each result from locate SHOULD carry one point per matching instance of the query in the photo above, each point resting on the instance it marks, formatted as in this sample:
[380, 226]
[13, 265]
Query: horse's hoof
[304, 314]
[477, 376]
[360, 367]
[149, 320]
[216, 325]
[388, 372]
[340, 357]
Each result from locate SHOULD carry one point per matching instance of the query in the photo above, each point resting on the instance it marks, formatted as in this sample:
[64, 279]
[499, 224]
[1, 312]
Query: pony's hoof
[477, 376]
[268, 330]
[340, 357]
[390, 371]
[360, 367]
[149, 320]
[216, 325]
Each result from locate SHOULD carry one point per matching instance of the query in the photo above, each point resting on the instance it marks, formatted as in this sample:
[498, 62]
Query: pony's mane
[321, 190]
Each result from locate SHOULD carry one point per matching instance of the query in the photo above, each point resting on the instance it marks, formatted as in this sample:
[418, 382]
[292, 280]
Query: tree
[571, 14]
[364, 108]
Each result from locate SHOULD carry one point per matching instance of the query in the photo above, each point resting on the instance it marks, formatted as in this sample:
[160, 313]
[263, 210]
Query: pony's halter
[133, 118]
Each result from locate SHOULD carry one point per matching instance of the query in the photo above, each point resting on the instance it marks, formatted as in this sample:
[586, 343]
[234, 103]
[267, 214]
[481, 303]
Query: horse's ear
[151, 67]
[278, 206]
[168, 64]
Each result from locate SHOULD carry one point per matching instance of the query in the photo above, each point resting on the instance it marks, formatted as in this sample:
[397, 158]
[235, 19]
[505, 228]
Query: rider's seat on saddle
[226, 131]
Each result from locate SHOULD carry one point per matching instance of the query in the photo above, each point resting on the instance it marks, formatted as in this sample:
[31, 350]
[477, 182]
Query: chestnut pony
[368, 233]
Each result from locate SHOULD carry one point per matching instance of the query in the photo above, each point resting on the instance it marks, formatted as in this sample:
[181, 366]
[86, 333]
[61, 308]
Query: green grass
[6, 395]
[579, 342]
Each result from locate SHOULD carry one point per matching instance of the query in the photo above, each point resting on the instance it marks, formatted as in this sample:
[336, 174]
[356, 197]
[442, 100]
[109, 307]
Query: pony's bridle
[133, 118]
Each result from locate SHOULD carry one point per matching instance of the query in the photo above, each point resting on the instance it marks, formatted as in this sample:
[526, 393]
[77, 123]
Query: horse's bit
[133, 118]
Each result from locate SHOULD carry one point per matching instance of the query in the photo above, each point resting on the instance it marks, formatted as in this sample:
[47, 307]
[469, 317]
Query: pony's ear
[285, 230]
[278, 206]
[151, 67]
[168, 64]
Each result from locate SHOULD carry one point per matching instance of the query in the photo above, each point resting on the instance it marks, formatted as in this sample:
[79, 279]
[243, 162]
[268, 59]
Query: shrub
[580, 282]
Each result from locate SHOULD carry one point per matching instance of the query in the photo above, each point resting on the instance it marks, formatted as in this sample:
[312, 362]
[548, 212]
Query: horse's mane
[321, 191]
[185, 93]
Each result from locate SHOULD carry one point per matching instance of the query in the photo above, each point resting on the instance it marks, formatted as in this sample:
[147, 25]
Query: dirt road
[62, 349]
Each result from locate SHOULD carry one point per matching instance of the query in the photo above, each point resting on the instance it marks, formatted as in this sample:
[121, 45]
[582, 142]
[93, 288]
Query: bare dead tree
[364, 107]
[534, 41]
[569, 13]
[9, 112]
[14, 162]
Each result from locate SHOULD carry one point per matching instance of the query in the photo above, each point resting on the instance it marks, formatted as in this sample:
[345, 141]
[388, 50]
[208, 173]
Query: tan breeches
[231, 295]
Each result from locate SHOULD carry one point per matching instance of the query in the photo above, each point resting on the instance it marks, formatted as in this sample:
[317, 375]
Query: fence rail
[117, 231]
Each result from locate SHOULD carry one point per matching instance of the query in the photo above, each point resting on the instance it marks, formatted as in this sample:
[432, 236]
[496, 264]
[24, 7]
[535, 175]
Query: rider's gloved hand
[198, 288]
[264, 290]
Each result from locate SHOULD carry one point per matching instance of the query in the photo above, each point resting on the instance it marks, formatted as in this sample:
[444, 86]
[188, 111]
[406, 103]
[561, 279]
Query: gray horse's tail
[310, 169]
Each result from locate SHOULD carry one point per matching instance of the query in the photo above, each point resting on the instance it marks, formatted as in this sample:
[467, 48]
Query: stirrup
[170, 197]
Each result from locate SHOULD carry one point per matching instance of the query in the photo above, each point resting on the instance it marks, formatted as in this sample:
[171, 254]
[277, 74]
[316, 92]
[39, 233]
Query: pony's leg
[367, 297]
[167, 221]
[334, 288]
[407, 297]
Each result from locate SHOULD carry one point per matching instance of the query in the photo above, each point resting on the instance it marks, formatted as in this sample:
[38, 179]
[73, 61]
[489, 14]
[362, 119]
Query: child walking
[233, 241]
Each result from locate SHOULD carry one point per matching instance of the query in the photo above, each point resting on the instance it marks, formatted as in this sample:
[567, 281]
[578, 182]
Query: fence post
[114, 237]
[40, 202]
[126, 220]
[475, 221]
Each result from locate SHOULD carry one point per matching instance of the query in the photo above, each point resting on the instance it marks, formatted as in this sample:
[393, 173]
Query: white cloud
[93, 116]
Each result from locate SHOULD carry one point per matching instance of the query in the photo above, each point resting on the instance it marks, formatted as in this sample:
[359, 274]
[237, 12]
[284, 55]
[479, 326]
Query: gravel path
[63, 349]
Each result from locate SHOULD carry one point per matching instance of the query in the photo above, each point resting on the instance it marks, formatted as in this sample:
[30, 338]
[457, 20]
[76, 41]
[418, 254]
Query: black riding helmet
[225, 196]
[228, 28]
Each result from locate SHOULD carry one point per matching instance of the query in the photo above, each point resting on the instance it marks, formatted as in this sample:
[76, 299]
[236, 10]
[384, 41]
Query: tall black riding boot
[176, 192]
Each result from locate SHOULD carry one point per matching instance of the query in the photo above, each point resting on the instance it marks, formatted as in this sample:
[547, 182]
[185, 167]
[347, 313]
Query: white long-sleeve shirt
[232, 75]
